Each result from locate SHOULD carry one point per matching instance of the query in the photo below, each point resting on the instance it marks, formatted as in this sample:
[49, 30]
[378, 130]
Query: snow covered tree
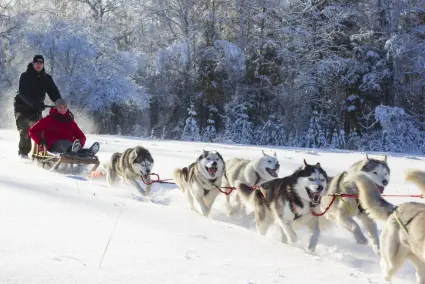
[399, 132]
[315, 136]
[338, 139]
[209, 134]
[271, 133]
[191, 129]
[239, 128]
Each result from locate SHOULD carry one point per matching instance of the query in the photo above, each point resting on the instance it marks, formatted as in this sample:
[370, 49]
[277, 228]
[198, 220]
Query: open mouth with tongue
[145, 175]
[380, 188]
[211, 170]
[272, 172]
[314, 196]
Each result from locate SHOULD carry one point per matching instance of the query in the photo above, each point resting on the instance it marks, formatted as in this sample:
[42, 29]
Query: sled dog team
[298, 198]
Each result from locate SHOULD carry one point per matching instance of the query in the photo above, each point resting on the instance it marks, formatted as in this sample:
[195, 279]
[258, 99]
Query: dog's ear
[274, 154]
[367, 157]
[134, 154]
[305, 163]
[385, 158]
[318, 165]
[264, 154]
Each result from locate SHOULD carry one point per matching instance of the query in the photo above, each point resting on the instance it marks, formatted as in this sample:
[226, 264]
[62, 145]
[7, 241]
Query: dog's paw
[293, 238]
[376, 250]
[310, 249]
[361, 239]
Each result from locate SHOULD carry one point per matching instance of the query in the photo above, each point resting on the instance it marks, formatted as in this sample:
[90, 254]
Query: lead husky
[287, 199]
[201, 180]
[249, 172]
[131, 165]
[404, 234]
[343, 210]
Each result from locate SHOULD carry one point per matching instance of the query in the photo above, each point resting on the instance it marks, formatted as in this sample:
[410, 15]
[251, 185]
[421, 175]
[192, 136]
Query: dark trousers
[24, 121]
[61, 146]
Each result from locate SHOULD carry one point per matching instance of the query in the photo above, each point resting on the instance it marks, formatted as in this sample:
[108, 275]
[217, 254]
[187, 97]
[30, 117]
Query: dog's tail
[111, 175]
[417, 177]
[370, 198]
[248, 194]
[180, 175]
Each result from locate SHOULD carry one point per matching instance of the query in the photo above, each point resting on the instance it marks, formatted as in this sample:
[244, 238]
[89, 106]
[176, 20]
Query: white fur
[246, 172]
[203, 181]
[343, 216]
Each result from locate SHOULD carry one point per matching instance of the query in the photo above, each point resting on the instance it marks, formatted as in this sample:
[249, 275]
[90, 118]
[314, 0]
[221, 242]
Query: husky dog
[131, 165]
[201, 180]
[344, 209]
[403, 235]
[284, 200]
[249, 172]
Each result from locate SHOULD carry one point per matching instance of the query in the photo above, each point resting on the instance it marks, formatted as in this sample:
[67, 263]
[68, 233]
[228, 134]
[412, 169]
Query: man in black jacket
[29, 102]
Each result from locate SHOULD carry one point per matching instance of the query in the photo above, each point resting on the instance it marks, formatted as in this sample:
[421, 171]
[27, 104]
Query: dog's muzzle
[315, 195]
[273, 172]
[145, 175]
[380, 188]
[212, 170]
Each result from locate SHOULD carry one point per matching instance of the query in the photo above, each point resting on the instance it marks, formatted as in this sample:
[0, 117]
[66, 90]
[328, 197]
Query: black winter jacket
[33, 87]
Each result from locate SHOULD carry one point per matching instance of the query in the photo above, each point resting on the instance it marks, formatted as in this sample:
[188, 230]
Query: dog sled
[52, 161]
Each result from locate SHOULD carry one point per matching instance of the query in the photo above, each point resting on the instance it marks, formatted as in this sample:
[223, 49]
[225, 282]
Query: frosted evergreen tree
[338, 139]
[271, 133]
[191, 129]
[315, 136]
[399, 133]
[239, 128]
[209, 134]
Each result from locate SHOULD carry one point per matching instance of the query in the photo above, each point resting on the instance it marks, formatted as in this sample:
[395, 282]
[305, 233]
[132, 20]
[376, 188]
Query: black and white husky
[288, 199]
[201, 180]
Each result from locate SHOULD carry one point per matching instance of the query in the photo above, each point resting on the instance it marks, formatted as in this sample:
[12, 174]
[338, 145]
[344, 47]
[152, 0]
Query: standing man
[29, 102]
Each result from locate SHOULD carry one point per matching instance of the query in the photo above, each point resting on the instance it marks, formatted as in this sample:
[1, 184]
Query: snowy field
[55, 228]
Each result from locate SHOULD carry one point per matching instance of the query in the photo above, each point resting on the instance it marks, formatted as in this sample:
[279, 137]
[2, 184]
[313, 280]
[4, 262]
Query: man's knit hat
[38, 58]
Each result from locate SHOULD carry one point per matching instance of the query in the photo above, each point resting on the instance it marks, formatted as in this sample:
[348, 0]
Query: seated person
[60, 133]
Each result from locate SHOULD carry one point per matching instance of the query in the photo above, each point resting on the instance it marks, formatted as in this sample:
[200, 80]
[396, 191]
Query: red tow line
[157, 180]
[334, 196]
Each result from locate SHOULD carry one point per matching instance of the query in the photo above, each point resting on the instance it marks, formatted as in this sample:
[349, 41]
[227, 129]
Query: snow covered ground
[55, 228]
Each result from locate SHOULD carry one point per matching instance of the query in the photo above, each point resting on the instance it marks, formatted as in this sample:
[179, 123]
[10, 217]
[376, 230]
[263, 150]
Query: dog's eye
[322, 180]
[269, 161]
[310, 179]
[208, 158]
[375, 173]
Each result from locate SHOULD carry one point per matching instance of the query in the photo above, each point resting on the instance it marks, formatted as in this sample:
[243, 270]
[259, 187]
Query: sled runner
[46, 158]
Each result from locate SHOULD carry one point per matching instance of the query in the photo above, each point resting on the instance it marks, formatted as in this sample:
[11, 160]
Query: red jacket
[56, 126]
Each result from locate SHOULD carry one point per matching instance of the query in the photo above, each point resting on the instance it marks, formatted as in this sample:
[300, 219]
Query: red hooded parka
[56, 126]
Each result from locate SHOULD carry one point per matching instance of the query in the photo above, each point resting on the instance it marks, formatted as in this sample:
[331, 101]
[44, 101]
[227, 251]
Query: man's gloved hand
[39, 106]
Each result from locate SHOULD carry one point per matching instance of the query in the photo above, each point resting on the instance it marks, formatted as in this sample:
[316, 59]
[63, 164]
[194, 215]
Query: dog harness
[405, 224]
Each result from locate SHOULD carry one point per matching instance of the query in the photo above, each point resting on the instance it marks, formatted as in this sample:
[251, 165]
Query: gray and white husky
[130, 166]
[250, 172]
[201, 180]
[345, 209]
[288, 200]
[403, 236]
